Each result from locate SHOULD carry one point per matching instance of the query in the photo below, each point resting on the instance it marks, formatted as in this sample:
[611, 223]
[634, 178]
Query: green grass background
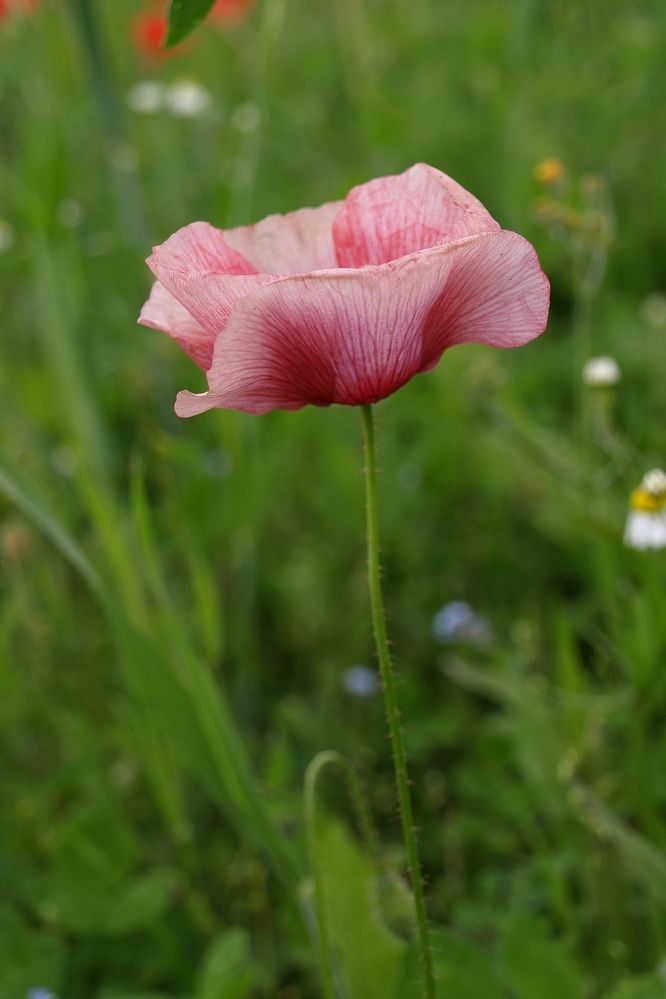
[180, 599]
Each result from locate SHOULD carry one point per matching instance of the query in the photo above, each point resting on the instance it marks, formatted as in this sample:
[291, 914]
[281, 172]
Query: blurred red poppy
[229, 11]
[149, 33]
[150, 26]
[17, 7]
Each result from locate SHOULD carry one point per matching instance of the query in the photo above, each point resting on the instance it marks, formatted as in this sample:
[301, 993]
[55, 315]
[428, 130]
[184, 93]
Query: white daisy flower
[187, 99]
[646, 520]
[601, 372]
[146, 97]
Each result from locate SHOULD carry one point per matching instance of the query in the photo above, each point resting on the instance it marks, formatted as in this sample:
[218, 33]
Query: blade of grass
[190, 704]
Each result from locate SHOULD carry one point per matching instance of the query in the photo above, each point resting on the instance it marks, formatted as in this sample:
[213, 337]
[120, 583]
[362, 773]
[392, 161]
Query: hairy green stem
[392, 709]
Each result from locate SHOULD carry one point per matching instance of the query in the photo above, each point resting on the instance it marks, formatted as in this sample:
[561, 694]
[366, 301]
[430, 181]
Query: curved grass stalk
[331, 758]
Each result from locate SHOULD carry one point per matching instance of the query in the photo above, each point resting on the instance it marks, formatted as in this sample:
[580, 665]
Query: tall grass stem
[128, 195]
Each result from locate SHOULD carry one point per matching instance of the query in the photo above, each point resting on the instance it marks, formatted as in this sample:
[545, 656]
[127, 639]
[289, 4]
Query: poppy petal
[295, 243]
[164, 312]
[494, 293]
[204, 273]
[202, 249]
[391, 217]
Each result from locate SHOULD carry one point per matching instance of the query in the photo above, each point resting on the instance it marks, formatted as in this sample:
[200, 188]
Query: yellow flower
[641, 499]
[549, 171]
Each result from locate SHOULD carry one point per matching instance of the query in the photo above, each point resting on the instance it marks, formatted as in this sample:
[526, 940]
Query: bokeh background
[184, 618]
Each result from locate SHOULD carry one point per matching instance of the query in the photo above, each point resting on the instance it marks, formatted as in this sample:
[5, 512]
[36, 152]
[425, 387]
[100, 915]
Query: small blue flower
[218, 463]
[360, 681]
[40, 993]
[459, 622]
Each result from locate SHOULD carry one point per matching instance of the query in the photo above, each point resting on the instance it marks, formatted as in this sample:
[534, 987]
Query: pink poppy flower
[347, 302]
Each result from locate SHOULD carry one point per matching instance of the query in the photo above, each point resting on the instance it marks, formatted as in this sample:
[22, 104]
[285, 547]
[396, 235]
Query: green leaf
[184, 17]
[368, 955]
[537, 964]
[142, 901]
[645, 987]
[85, 901]
[28, 959]
[114, 994]
[462, 968]
[641, 857]
[227, 971]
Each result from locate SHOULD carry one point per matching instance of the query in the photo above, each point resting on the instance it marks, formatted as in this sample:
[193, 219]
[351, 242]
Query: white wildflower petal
[146, 97]
[187, 99]
[654, 482]
[644, 530]
[601, 371]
